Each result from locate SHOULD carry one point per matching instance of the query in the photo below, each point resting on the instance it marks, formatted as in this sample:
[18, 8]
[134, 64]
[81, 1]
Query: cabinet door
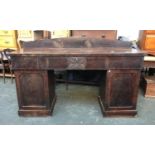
[36, 92]
[32, 89]
[122, 88]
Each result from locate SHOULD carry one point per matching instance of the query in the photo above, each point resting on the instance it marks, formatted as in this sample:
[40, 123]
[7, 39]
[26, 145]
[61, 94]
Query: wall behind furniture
[129, 33]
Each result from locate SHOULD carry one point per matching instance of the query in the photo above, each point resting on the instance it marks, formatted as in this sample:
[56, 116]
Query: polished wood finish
[119, 95]
[119, 64]
[147, 41]
[106, 34]
[36, 96]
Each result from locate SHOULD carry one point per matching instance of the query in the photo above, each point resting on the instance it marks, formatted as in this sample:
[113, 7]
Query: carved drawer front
[24, 62]
[76, 63]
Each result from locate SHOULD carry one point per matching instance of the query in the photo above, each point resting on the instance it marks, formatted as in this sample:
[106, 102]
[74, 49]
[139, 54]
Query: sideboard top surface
[78, 46]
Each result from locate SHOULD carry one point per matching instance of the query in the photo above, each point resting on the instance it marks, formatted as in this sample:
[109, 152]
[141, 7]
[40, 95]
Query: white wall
[129, 33]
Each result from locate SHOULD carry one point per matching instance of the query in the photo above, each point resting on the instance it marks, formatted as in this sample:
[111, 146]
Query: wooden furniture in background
[31, 35]
[8, 39]
[148, 82]
[148, 85]
[5, 64]
[2, 69]
[106, 34]
[25, 35]
[120, 67]
[147, 41]
[60, 33]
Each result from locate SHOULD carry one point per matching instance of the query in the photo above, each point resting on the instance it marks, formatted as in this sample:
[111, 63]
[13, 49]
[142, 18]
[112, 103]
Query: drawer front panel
[52, 62]
[7, 33]
[150, 31]
[125, 63]
[72, 63]
[25, 63]
[97, 63]
[108, 34]
[150, 42]
[7, 42]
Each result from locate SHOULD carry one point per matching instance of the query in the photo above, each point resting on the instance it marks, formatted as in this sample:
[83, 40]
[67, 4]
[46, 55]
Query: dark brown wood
[148, 85]
[74, 43]
[120, 92]
[121, 66]
[106, 34]
[35, 90]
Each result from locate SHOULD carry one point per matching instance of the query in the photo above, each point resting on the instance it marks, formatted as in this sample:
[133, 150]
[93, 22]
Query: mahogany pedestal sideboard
[35, 81]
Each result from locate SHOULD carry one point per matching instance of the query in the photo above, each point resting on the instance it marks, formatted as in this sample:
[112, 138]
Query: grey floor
[78, 105]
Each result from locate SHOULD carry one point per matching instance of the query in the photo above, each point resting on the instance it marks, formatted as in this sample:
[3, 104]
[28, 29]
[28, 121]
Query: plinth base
[118, 112]
[36, 112]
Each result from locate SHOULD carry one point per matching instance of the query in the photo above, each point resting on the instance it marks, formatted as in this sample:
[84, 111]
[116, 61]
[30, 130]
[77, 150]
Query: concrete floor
[78, 105]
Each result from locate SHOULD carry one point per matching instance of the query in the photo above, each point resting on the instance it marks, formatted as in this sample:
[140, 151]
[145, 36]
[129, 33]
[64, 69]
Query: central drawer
[72, 63]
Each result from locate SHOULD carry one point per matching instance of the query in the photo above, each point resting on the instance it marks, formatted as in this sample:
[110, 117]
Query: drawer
[8, 42]
[7, 33]
[107, 34]
[150, 42]
[25, 62]
[150, 31]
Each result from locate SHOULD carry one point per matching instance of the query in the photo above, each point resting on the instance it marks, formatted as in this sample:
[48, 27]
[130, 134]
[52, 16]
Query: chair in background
[5, 63]
[2, 65]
